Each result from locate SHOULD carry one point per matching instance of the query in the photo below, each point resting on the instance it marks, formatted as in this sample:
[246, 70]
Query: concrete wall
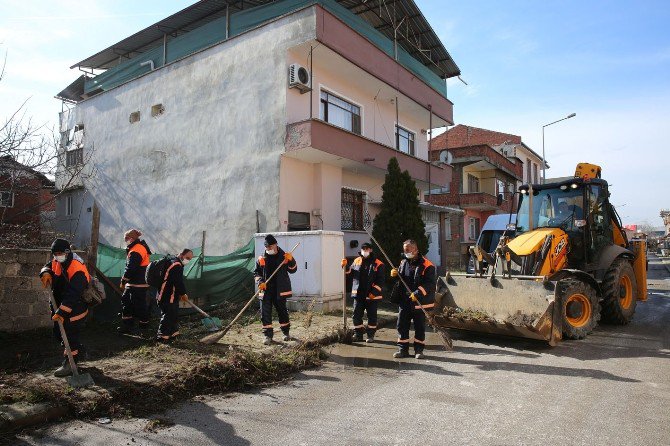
[76, 226]
[524, 155]
[212, 158]
[23, 303]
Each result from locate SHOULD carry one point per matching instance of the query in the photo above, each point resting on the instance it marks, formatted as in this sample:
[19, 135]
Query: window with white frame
[447, 228]
[353, 208]
[74, 157]
[335, 110]
[69, 207]
[473, 228]
[6, 199]
[404, 140]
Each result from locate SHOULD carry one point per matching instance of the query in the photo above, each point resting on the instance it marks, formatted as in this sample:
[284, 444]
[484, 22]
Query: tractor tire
[580, 308]
[619, 293]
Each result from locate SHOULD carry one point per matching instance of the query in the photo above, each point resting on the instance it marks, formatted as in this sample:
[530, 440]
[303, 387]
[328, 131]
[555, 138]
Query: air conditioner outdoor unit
[298, 77]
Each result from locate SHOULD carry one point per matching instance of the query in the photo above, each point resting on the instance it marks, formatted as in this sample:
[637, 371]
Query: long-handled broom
[446, 339]
[214, 337]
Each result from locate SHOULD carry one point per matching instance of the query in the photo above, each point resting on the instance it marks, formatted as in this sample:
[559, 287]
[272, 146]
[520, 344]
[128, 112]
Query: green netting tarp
[245, 20]
[211, 280]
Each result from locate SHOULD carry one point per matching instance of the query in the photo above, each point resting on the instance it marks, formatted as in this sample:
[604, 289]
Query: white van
[490, 234]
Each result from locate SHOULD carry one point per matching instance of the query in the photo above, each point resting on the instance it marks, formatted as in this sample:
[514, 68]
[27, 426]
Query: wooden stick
[214, 337]
[105, 279]
[66, 343]
[344, 298]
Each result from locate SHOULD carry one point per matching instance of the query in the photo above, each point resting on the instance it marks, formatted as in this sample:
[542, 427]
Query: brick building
[488, 167]
[25, 201]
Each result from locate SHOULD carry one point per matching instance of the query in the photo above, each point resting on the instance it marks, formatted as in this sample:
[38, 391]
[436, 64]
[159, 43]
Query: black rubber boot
[401, 353]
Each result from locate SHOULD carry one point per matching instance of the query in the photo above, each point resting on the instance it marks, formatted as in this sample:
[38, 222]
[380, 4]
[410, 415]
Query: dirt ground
[135, 376]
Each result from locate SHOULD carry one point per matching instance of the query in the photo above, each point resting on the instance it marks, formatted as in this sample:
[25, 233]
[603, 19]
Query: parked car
[490, 235]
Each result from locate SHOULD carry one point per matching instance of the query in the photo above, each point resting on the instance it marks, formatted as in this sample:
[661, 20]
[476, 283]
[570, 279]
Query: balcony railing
[473, 154]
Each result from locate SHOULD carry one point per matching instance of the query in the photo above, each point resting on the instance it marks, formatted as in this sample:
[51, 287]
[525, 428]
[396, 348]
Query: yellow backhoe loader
[565, 265]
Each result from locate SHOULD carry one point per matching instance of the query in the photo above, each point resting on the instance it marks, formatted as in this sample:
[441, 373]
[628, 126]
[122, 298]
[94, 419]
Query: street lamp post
[544, 162]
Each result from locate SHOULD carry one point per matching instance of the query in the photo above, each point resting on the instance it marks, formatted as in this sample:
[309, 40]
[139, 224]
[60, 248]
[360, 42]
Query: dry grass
[149, 379]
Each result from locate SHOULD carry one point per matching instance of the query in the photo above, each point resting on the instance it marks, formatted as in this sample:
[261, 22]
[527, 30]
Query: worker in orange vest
[274, 292]
[67, 277]
[367, 273]
[419, 274]
[134, 304]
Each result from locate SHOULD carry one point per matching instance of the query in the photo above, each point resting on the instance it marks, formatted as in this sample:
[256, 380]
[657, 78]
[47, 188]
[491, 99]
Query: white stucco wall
[212, 158]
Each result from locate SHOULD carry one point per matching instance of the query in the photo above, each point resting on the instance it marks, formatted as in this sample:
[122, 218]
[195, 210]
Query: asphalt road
[612, 388]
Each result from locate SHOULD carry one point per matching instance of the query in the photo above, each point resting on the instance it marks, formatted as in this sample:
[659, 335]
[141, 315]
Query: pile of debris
[467, 314]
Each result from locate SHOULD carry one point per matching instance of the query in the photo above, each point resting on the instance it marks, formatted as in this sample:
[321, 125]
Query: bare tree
[31, 155]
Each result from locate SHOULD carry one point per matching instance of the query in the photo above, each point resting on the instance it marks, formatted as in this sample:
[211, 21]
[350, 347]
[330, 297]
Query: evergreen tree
[400, 216]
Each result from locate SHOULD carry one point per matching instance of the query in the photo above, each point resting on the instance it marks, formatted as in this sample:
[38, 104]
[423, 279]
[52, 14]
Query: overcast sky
[527, 63]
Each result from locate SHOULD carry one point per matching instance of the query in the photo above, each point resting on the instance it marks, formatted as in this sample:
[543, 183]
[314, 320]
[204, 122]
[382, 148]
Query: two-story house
[242, 117]
[488, 167]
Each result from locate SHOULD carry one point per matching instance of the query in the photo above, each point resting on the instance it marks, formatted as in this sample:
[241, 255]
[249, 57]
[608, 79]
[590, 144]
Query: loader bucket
[500, 306]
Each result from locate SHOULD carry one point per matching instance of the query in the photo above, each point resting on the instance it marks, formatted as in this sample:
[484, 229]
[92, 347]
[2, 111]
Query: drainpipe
[227, 21]
[164, 49]
[148, 62]
[430, 145]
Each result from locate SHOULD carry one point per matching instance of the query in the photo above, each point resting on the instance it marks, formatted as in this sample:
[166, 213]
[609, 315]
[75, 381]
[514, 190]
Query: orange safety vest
[142, 251]
[75, 267]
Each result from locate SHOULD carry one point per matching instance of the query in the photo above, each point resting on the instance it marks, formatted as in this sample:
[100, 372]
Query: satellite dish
[446, 156]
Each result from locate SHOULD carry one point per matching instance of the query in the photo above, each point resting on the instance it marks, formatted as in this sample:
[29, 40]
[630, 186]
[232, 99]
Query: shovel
[76, 380]
[209, 322]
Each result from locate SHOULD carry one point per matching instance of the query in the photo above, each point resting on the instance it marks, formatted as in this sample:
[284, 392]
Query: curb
[19, 415]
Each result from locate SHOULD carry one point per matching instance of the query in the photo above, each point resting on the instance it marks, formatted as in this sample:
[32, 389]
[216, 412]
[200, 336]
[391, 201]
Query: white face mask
[185, 261]
[365, 254]
[271, 252]
[60, 259]
[409, 255]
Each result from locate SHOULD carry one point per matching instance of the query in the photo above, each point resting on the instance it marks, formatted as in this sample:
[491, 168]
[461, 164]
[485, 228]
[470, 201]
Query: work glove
[57, 318]
[343, 263]
[46, 280]
[394, 272]
[183, 298]
[414, 298]
[288, 257]
[262, 286]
